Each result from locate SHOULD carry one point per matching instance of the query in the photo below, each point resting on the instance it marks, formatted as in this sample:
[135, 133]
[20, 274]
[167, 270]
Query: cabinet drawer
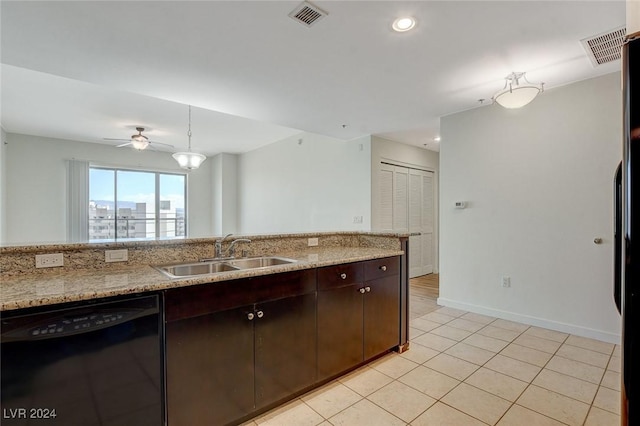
[340, 275]
[286, 284]
[192, 301]
[188, 302]
[380, 268]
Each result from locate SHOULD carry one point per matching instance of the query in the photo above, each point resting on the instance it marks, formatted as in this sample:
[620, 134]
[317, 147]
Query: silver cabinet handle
[260, 314]
[343, 276]
[367, 289]
[361, 290]
[250, 316]
[383, 268]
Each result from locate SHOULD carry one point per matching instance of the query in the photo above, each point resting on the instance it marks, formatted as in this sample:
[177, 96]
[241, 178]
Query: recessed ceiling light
[436, 139]
[403, 24]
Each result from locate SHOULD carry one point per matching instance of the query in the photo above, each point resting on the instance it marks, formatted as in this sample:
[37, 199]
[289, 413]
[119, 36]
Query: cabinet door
[339, 330]
[285, 346]
[381, 315]
[210, 368]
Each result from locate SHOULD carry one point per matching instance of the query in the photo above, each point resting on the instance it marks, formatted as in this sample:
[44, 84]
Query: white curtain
[77, 201]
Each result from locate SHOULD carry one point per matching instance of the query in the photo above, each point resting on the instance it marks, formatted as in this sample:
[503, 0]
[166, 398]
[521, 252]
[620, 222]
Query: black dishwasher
[90, 363]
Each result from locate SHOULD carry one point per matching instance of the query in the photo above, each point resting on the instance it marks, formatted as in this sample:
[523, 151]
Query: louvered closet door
[407, 205]
[427, 223]
[416, 247]
[394, 198]
[385, 175]
[420, 222]
[400, 199]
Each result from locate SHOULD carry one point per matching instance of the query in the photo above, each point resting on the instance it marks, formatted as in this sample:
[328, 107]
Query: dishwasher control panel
[57, 326]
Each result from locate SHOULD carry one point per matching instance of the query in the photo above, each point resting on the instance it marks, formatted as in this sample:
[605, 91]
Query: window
[132, 204]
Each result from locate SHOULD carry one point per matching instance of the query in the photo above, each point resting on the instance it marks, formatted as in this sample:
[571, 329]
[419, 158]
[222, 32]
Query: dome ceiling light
[517, 91]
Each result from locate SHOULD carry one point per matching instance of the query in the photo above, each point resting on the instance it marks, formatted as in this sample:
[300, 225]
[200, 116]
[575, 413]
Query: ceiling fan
[138, 141]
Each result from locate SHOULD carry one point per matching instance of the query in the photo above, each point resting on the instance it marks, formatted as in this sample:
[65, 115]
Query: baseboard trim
[531, 320]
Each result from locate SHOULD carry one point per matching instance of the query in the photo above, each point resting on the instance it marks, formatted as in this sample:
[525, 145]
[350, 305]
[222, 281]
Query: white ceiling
[88, 70]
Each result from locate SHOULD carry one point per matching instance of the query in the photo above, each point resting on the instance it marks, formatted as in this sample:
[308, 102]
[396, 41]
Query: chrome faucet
[232, 247]
[217, 246]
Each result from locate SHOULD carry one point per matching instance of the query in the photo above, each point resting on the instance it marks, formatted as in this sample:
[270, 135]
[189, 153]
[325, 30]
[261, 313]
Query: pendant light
[517, 93]
[187, 159]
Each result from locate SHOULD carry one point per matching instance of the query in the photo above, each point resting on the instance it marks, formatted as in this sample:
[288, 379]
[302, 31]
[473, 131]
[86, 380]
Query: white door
[406, 205]
[394, 198]
[420, 222]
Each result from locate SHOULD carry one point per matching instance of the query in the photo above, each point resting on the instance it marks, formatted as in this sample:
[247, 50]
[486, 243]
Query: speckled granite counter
[28, 290]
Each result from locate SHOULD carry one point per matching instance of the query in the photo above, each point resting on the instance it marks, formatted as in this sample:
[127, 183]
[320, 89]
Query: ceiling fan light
[189, 160]
[139, 143]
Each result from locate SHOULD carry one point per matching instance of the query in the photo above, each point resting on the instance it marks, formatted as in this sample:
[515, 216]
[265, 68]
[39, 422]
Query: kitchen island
[238, 343]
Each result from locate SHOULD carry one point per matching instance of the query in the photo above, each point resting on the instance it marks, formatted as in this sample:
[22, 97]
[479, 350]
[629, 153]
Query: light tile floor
[468, 369]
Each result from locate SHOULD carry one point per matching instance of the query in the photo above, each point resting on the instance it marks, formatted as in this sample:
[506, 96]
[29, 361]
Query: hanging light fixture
[187, 159]
[517, 91]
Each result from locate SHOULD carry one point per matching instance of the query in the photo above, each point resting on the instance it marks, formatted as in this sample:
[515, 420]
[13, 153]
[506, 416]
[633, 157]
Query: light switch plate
[312, 242]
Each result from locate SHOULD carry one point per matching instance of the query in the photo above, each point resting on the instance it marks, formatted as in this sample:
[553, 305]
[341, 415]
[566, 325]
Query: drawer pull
[343, 276]
[367, 289]
[250, 316]
[383, 268]
[362, 290]
[260, 314]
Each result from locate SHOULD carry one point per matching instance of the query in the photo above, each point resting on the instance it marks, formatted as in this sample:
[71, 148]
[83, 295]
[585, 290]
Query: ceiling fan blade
[160, 143]
[124, 144]
[116, 139]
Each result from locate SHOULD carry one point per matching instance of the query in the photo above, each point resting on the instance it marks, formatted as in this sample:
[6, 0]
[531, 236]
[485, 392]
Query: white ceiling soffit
[40, 104]
[605, 47]
[249, 59]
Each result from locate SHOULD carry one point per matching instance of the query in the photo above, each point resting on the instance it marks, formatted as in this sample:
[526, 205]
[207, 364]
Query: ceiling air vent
[605, 47]
[307, 14]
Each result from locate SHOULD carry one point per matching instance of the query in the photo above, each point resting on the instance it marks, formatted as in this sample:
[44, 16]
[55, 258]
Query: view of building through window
[125, 204]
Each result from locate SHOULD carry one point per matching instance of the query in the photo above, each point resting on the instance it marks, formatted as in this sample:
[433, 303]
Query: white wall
[539, 182]
[225, 193]
[383, 150]
[317, 185]
[35, 206]
[3, 183]
[633, 16]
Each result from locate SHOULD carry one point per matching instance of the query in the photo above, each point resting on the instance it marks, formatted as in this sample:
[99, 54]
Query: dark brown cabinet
[236, 346]
[285, 347]
[358, 313]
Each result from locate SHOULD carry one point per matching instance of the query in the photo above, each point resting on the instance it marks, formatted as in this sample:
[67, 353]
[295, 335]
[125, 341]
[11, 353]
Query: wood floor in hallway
[423, 292]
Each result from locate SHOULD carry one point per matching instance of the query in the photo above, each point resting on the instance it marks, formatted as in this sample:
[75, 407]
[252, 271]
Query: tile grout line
[529, 384]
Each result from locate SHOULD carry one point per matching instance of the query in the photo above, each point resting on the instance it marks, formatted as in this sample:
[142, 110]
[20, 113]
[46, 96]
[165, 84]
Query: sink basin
[259, 262]
[189, 269]
[217, 266]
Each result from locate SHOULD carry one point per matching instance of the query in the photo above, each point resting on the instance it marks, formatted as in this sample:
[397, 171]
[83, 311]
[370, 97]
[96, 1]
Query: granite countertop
[29, 290]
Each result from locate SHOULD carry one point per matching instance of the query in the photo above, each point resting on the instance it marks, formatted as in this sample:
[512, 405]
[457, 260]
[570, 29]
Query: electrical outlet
[121, 255]
[506, 282]
[49, 260]
[312, 242]
[357, 219]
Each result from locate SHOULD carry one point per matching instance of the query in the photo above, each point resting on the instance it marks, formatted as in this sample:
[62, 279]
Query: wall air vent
[605, 47]
[307, 14]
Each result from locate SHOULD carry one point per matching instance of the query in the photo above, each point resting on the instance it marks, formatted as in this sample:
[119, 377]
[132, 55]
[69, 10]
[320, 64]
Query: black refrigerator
[627, 227]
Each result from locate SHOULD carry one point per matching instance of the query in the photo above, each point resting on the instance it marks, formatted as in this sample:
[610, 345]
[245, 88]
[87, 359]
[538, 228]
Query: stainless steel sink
[259, 262]
[185, 270]
[182, 270]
